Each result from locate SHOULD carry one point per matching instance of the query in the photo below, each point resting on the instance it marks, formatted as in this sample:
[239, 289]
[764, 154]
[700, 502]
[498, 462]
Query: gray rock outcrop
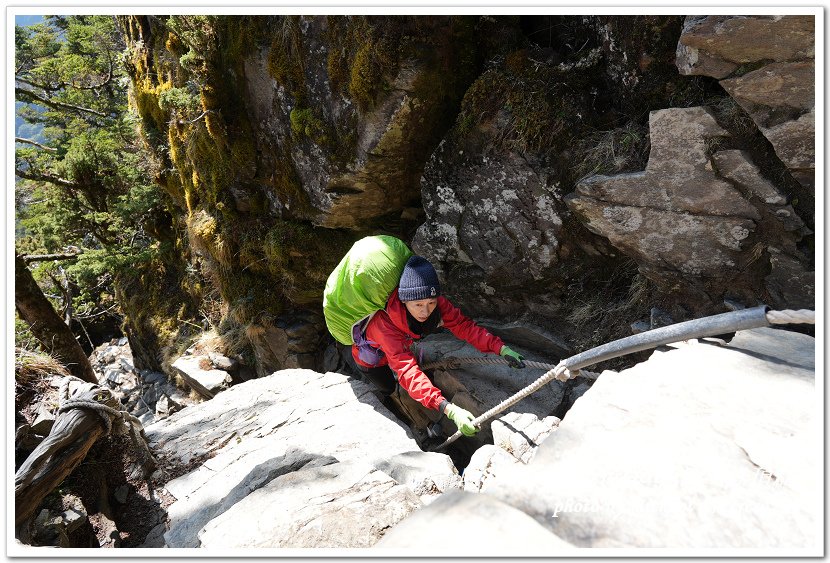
[493, 220]
[694, 216]
[498, 529]
[265, 446]
[771, 79]
[468, 131]
[676, 215]
[702, 446]
[147, 395]
[492, 384]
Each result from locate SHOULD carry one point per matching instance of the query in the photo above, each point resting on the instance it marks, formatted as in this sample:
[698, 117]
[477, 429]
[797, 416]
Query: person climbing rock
[415, 309]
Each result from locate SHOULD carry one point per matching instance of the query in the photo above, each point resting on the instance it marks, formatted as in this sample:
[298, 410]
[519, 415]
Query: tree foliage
[85, 180]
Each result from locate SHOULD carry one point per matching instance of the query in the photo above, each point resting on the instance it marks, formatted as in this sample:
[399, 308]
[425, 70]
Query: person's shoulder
[444, 301]
[445, 305]
[380, 317]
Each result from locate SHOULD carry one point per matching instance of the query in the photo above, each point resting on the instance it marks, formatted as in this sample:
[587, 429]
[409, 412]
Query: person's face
[421, 309]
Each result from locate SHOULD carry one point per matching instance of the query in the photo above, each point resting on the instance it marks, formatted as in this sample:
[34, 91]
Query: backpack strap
[366, 350]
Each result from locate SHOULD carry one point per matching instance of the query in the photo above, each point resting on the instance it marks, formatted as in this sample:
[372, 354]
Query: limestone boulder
[485, 466]
[427, 474]
[494, 528]
[701, 446]
[338, 505]
[520, 434]
[293, 428]
[200, 375]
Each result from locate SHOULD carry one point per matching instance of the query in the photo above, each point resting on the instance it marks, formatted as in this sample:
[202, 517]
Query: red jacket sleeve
[466, 329]
[395, 344]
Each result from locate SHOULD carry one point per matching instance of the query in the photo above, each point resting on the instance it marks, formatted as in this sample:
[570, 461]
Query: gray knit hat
[418, 280]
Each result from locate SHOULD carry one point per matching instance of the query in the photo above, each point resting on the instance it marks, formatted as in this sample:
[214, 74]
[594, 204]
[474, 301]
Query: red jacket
[389, 329]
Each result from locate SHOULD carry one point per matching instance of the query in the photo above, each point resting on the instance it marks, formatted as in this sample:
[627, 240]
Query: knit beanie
[418, 280]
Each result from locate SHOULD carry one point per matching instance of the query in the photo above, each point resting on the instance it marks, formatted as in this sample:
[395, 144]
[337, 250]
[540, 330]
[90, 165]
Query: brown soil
[108, 466]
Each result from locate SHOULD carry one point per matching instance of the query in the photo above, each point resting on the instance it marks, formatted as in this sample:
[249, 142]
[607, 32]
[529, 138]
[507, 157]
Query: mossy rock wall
[347, 109]
[283, 139]
[248, 265]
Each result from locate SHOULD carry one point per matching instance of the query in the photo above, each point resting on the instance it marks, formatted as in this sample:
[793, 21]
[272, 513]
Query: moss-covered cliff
[280, 140]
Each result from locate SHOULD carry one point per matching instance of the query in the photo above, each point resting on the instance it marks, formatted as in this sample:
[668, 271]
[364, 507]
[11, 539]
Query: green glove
[513, 358]
[462, 418]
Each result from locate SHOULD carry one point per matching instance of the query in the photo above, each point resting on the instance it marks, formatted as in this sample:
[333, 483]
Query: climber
[415, 309]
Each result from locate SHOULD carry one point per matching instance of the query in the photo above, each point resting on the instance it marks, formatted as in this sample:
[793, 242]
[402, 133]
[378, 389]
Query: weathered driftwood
[90, 412]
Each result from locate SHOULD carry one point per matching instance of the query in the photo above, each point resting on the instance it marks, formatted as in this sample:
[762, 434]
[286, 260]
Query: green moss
[211, 238]
[146, 97]
[250, 263]
[363, 52]
[303, 256]
[540, 108]
[287, 186]
[158, 306]
[303, 122]
[364, 77]
[285, 57]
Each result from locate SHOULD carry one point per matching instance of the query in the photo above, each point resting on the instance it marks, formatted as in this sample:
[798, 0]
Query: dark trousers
[382, 378]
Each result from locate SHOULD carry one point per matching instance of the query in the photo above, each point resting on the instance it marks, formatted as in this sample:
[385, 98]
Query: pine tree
[83, 177]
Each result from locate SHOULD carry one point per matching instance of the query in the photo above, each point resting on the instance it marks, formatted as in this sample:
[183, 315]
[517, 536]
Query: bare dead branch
[47, 257]
[35, 143]
[57, 180]
[28, 94]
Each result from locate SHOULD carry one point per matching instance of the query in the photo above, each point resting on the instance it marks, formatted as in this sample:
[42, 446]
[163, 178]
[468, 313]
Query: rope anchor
[126, 423]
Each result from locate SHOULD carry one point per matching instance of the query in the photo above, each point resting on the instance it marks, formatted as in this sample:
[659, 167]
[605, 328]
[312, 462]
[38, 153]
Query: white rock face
[699, 447]
[427, 474]
[485, 466]
[206, 382]
[702, 446]
[292, 428]
[521, 433]
[482, 526]
[347, 504]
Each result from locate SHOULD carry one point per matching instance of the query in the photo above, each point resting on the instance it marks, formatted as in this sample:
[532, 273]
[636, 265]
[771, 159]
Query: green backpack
[361, 284]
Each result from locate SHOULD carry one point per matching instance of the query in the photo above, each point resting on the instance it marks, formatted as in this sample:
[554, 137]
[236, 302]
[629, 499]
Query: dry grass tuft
[32, 367]
[624, 149]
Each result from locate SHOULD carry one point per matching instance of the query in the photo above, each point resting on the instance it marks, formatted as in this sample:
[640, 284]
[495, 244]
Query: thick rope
[127, 422]
[789, 316]
[456, 363]
[561, 373]
[104, 411]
